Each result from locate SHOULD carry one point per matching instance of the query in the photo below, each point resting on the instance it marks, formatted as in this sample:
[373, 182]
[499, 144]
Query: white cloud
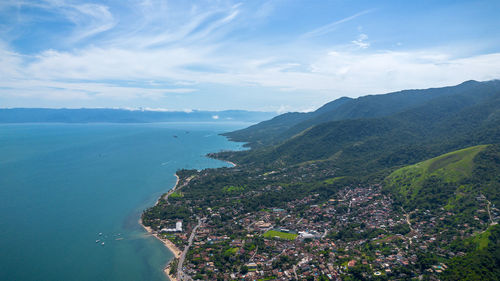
[152, 57]
[361, 41]
[63, 75]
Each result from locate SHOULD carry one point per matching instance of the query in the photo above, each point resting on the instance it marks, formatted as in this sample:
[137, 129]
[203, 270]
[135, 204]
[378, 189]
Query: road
[489, 213]
[180, 273]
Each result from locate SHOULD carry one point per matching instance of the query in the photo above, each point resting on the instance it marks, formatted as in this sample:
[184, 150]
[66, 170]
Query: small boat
[100, 233]
[102, 243]
[97, 241]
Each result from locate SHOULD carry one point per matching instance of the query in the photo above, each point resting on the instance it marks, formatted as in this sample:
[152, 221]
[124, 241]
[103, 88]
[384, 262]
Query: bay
[61, 185]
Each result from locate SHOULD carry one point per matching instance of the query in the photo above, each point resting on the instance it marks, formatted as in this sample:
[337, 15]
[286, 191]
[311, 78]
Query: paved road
[180, 273]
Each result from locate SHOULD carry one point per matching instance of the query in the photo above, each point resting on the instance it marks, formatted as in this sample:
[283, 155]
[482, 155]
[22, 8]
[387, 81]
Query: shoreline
[232, 163]
[167, 243]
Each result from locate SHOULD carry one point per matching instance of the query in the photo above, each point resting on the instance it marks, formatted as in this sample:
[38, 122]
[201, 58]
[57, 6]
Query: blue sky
[256, 55]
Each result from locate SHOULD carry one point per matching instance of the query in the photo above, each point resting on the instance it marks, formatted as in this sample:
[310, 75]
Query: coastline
[167, 243]
[232, 163]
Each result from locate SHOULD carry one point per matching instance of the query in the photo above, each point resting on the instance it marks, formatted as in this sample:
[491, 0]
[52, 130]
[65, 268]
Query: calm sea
[64, 186]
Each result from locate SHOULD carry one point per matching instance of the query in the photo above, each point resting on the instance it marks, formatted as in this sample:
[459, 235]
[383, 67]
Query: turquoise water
[63, 184]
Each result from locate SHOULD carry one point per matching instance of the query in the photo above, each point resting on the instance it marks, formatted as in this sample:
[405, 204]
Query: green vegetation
[467, 115]
[280, 235]
[433, 181]
[232, 188]
[450, 167]
[175, 194]
[452, 180]
[482, 263]
[287, 125]
[332, 180]
[231, 251]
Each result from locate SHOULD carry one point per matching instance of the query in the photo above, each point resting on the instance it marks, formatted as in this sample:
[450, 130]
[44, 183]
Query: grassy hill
[450, 168]
[458, 181]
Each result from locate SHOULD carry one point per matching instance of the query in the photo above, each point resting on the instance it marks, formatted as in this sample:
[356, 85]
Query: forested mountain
[287, 125]
[90, 115]
[443, 124]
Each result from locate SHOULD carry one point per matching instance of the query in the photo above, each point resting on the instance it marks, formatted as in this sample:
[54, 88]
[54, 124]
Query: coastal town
[357, 231]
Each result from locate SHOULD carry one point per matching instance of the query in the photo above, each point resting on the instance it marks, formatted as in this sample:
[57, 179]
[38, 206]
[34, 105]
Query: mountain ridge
[90, 115]
[370, 106]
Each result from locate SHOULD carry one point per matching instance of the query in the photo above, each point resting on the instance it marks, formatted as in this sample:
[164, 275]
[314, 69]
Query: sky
[253, 55]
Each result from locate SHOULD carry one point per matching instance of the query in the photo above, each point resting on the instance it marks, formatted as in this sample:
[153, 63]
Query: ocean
[66, 188]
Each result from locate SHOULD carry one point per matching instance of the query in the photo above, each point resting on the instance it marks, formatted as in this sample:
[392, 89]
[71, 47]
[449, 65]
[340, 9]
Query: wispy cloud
[89, 19]
[325, 29]
[161, 54]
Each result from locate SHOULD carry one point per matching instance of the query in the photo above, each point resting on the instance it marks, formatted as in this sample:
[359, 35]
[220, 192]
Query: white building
[178, 228]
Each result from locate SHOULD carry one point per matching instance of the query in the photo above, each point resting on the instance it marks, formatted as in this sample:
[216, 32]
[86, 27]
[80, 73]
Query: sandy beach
[171, 246]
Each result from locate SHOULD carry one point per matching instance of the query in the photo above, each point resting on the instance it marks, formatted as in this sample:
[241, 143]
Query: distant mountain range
[91, 115]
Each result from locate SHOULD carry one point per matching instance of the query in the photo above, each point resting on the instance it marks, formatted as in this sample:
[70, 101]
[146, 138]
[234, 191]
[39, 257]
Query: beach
[171, 246]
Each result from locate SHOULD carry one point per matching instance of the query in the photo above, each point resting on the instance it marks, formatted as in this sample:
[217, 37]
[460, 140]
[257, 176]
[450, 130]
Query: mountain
[89, 115]
[444, 123]
[288, 125]
[270, 131]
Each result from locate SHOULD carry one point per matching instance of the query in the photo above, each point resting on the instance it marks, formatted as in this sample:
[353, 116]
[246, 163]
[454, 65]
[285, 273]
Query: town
[359, 231]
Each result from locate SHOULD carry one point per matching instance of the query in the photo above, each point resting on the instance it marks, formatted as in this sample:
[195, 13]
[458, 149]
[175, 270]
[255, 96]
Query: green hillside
[459, 181]
[450, 168]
